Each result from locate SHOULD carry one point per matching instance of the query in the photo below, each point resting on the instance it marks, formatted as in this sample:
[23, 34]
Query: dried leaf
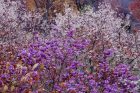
[24, 78]
[19, 66]
[31, 5]
[35, 66]
[42, 66]
[12, 88]
[5, 88]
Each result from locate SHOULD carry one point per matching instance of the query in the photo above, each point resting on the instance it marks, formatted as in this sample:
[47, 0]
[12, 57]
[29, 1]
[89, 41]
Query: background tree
[134, 8]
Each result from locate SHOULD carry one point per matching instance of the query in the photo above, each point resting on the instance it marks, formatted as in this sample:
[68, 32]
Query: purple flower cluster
[56, 66]
[77, 53]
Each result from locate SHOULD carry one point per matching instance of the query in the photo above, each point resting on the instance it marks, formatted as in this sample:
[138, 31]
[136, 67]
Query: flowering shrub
[8, 15]
[85, 52]
[17, 23]
[105, 30]
[58, 65]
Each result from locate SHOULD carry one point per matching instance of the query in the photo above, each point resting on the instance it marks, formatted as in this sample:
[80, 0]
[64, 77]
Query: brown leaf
[12, 88]
[31, 5]
[35, 66]
[5, 88]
